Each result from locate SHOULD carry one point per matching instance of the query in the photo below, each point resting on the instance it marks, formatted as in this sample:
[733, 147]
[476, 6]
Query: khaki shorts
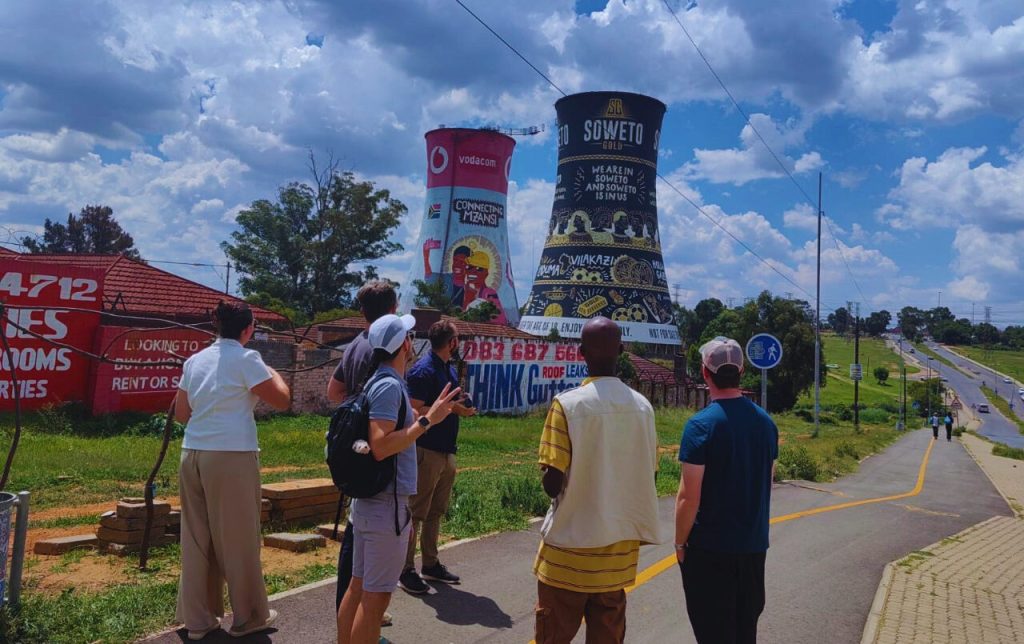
[378, 554]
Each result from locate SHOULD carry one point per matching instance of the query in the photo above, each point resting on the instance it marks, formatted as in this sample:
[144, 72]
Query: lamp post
[903, 401]
[928, 389]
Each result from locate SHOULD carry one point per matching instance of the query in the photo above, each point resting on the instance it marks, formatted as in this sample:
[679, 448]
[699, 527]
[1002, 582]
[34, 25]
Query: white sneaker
[248, 630]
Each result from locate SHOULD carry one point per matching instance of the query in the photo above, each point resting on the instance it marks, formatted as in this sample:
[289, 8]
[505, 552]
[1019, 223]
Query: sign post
[764, 351]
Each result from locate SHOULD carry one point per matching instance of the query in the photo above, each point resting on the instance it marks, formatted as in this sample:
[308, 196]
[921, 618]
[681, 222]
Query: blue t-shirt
[427, 379]
[385, 395]
[737, 442]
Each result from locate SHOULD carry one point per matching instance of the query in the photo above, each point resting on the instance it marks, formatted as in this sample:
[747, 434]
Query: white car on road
[1007, 381]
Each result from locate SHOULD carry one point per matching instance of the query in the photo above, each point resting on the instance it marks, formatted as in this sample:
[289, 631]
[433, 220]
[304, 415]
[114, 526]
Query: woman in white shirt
[219, 478]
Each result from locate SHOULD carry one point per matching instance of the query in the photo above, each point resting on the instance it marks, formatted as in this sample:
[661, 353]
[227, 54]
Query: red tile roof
[138, 288]
[647, 371]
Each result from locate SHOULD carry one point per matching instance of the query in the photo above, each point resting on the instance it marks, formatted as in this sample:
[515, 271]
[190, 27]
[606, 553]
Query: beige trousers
[435, 476]
[220, 538]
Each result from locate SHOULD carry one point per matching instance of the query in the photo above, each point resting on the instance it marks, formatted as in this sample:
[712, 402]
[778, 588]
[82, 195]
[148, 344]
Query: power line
[660, 176]
[761, 138]
[514, 50]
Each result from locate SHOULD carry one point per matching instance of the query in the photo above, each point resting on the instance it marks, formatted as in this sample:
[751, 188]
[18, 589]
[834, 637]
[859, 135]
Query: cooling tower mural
[464, 235]
[603, 250]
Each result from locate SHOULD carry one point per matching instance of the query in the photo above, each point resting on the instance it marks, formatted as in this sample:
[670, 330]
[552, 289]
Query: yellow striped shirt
[586, 570]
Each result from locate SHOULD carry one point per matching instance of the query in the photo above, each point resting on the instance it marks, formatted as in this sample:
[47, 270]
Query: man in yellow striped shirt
[598, 451]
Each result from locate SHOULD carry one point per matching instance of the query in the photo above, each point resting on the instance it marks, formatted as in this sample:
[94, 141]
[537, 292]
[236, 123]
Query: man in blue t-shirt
[728, 453]
[435, 455]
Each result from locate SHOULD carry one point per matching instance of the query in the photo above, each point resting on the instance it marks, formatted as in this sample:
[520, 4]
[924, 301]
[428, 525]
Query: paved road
[822, 570]
[994, 425]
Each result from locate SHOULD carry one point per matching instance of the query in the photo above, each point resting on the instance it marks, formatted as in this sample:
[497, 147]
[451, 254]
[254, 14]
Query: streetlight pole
[902, 418]
[928, 389]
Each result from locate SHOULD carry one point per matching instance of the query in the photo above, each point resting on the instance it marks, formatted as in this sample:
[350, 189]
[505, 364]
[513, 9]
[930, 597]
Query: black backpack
[359, 476]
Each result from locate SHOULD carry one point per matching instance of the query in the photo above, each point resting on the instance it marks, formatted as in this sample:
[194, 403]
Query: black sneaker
[412, 583]
[439, 573]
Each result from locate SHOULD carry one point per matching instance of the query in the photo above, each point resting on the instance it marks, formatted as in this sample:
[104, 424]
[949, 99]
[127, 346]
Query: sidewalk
[966, 588]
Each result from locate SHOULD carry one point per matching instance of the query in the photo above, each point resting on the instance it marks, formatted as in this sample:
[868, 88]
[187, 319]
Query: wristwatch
[423, 422]
[680, 546]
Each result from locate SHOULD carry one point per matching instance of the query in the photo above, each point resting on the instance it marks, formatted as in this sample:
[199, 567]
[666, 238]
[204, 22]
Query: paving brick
[112, 520]
[305, 512]
[294, 542]
[303, 501]
[60, 545]
[132, 548]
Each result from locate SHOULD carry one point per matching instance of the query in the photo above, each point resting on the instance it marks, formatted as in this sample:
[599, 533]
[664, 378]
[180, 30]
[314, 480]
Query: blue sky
[179, 115]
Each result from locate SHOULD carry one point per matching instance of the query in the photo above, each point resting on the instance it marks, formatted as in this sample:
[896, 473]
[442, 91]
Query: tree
[839, 320]
[936, 318]
[956, 332]
[881, 375]
[925, 395]
[300, 248]
[624, 368]
[93, 231]
[911, 320]
[877, 322]
[692, 323]
[787, 320]
[986, 334]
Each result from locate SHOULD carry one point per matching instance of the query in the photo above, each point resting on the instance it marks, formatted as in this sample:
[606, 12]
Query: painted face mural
[467, 187]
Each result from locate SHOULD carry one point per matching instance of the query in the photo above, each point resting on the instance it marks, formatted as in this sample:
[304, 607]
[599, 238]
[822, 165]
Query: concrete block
[60, 545]
[294, 542]
[134, 510]
[294, 489]
[114, 522]
[302, 501]
[306, 512]
[128, 537]
[326, 530]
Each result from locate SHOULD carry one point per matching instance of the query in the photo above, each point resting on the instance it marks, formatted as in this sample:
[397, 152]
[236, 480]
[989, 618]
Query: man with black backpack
[381, 522]
[375, 299]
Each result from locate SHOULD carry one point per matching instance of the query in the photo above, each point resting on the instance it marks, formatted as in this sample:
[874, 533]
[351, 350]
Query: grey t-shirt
[355, 363]
[385, 395]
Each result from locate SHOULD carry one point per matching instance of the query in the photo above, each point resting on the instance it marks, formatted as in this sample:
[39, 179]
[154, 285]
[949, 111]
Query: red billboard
[47, 372]
[148, 386]
[469, 158]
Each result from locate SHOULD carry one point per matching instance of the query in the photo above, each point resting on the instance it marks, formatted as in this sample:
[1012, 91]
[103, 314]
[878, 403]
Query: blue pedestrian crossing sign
[764, 351]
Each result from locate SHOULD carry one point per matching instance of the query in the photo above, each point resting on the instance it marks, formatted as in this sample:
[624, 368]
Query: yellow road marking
[659, 567]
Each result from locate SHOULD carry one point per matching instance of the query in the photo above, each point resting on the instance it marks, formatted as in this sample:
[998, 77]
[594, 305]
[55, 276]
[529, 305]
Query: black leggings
[344, 564]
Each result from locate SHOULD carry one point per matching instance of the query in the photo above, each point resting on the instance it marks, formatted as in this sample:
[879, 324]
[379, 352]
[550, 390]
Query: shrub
[15, 627]
[846, 449]
[958, 431]
[874, 415]
[54, 419]
[154, 426]
[796, 463]
[806, 415]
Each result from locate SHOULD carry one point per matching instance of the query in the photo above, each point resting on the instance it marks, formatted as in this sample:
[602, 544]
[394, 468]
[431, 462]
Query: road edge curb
[1013, 511]
[871, 626]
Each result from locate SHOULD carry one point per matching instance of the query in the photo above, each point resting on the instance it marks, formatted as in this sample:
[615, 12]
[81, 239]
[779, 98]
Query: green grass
[498, 489]
[1009, 452]
[929, 352]
[839, 388]
[1004, 361]
[1003, 406]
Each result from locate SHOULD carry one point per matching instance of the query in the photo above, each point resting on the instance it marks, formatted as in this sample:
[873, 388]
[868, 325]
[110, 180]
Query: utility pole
[856, 360]
[227, 280]
[817, 327]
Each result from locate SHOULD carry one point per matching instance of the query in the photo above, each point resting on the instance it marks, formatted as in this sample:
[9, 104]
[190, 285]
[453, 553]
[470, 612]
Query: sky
[179, 115]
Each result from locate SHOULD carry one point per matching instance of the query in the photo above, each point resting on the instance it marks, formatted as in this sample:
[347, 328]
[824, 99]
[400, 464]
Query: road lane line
[659, 567]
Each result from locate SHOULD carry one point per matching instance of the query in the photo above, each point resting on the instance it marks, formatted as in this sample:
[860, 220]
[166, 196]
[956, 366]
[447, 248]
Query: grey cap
[388, 331]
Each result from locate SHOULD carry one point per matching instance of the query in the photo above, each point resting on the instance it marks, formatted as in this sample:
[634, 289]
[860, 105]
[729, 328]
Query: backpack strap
[402, 411]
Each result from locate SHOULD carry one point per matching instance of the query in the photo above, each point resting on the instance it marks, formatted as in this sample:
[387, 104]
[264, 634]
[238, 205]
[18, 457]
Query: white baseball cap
[388, 332]
[720, 351]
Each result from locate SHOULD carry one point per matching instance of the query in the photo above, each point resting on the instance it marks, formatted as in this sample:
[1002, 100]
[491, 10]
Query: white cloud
[753, 160]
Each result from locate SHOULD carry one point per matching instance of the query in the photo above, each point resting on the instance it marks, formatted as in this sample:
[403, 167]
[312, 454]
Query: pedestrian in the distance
[599, 454]
[728, 453]
[935, 426]
[949, 427]
[219, 478]
[381, 523]
[435, 457]
[375, 299]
